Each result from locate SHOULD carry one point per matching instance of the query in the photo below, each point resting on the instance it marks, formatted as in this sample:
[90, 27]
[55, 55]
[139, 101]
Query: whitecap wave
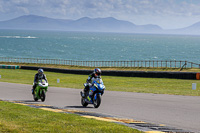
[32, 37]
[155, 57]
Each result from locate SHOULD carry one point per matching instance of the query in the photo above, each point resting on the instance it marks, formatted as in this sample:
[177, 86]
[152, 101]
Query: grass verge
[23, 119]
[128, 84]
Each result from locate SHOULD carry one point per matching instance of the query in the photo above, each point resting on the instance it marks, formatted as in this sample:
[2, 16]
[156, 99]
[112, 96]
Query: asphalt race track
[181, 112]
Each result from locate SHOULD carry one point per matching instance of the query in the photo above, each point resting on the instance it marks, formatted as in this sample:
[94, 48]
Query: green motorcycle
[40, 90]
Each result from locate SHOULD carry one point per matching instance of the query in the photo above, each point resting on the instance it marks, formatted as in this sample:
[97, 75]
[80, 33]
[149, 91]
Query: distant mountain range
[110, 24]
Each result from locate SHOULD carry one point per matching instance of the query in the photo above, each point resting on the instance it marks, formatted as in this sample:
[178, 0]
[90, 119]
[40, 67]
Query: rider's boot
[82, 93]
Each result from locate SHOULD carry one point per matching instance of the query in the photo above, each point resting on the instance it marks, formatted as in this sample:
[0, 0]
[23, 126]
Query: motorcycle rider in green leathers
[38, 76]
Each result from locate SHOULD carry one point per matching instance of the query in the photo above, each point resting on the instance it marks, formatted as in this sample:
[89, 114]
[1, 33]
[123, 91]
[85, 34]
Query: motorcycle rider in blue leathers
[38, 76]
[96, 74]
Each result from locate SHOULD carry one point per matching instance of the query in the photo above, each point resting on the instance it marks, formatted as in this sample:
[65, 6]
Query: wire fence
[133, 64]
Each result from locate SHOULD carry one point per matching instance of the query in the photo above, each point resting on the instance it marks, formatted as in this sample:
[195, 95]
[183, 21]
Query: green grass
[128, 84]
[23, 119]
[17, 118]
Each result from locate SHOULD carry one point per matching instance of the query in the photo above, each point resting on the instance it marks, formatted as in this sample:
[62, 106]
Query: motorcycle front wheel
[43, 96]
[97, 101]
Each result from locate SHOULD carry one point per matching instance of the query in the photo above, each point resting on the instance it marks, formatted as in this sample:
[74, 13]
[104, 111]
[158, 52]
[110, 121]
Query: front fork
[38, 92]
[93, 97]
[90, 96]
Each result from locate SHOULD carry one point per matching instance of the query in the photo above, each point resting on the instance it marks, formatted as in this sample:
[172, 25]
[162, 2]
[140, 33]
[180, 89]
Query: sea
[93, 46]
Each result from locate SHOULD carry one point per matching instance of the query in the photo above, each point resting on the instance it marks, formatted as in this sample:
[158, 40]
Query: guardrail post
[141, 63]
[153, 63]
[149, 64]
[185, 64]
[175, 63]
[180, 64]
[157, 63]
[170, 64]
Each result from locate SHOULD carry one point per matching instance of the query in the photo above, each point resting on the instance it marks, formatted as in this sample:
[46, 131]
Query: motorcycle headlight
[102, 86]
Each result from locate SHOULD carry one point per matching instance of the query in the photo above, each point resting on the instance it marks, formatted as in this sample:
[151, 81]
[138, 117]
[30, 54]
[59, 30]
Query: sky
[168, 14]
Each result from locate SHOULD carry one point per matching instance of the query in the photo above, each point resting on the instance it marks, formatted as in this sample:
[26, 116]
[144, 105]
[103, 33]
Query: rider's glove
[89, 84]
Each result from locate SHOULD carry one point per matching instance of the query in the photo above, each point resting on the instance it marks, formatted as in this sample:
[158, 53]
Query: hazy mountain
[102, 24]
[109, 24]
[34, 22]
[193, 29]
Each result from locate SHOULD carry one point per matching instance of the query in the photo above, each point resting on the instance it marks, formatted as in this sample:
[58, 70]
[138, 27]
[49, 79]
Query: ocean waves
[98, 46]
[31, 37]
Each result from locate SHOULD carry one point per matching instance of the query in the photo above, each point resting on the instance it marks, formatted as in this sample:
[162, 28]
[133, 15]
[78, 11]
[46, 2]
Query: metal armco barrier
[148, 74]
[132, 64]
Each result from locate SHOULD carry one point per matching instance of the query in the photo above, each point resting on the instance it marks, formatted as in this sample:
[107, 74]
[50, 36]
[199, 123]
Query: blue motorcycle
[93, 96]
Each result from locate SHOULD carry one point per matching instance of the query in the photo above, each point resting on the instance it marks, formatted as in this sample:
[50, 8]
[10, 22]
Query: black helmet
[97, 71]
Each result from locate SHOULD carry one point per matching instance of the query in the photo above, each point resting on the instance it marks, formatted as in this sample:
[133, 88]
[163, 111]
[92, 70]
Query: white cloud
[137, 11]
[23, 9]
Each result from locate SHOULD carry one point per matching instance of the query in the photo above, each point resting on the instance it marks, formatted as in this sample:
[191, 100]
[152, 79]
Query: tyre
[97, 101]
[35, 96]
[83, 102]
[43, 96]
